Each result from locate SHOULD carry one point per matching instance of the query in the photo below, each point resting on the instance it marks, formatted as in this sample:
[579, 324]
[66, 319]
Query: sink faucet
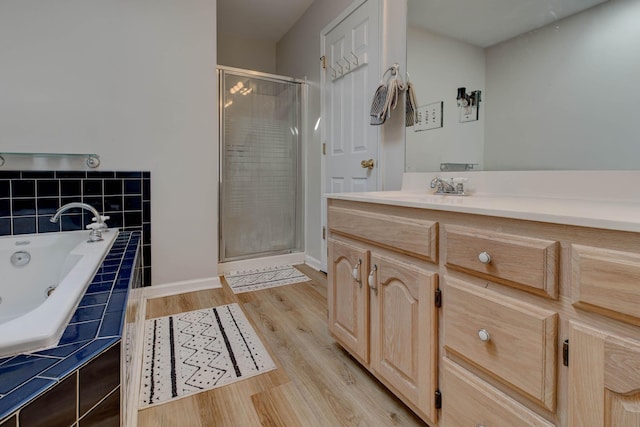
[96, 228]
[453, 186]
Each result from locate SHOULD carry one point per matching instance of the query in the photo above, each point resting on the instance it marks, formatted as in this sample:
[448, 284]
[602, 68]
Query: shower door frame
[301, 186]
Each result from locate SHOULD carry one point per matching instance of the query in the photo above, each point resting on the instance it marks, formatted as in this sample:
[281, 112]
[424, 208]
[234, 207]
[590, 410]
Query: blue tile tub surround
[96, 325]
[28, 199]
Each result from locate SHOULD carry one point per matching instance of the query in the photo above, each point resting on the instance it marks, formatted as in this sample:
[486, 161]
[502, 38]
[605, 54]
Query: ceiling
[487, 22]
[267, 20]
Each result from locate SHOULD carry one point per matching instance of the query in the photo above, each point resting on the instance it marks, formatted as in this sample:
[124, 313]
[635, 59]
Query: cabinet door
[604, 378]
[347, 297]
[404, 325]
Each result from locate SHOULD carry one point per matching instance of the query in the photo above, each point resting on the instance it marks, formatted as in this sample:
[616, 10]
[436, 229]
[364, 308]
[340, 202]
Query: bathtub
[42, 279]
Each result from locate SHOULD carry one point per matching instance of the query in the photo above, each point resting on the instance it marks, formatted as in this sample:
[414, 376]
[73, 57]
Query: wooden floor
[316, 384]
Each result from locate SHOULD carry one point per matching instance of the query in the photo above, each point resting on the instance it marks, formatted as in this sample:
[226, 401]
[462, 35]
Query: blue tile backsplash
[29, 198]
[96, 326]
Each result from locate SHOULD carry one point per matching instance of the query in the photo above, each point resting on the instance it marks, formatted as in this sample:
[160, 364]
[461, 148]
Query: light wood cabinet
[524, 262]
[512, 340]
[404, 330]
[472, 402]
[604, 378]
[539, 323]
[607, 282]
[382, 306]
[348, 297]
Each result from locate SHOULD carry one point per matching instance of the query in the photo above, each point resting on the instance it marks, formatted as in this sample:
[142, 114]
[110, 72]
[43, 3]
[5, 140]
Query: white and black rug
[199, 350]
[262, 278]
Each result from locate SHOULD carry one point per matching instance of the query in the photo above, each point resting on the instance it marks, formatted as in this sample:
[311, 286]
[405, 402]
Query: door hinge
[438, 399]
[565, 353]
[324, 148]
[323, 61]
[438, 298]
[324, 233]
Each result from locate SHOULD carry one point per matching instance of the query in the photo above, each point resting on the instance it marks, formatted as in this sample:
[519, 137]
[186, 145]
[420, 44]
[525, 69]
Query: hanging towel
[411, 106]
[378, 113]
[394, 87]
[386, 97]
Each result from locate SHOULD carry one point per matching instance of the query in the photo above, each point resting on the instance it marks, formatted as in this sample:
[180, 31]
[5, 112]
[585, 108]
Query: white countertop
[610, 214]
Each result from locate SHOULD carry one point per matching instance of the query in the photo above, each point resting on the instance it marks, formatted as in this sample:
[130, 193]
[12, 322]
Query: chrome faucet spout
[452, 186]
[442, 185]
[96, 229]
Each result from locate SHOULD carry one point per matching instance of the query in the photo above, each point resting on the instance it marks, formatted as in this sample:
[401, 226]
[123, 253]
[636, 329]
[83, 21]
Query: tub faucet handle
[101, 222]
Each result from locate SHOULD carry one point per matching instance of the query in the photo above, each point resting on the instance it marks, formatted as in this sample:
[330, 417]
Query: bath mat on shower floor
[199, 350]
[270, 277]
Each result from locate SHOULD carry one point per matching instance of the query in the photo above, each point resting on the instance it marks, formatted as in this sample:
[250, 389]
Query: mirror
[558, 82]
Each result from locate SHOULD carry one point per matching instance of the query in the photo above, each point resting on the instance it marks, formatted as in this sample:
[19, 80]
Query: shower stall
[261, 191]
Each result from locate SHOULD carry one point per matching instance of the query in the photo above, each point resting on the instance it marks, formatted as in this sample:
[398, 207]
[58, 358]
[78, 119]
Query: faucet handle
[103, 218]
[458, 183]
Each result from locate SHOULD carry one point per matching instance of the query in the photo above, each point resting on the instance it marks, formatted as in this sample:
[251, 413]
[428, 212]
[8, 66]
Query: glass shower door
[260, 178]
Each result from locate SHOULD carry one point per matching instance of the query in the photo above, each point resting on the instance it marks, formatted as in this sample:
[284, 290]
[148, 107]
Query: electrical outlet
[429, 117]
[468, 114]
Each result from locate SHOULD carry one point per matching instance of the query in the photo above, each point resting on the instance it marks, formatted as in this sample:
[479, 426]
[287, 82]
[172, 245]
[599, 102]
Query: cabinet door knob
[484, 335]
[371, 279]
[484, 257]
[356, 272]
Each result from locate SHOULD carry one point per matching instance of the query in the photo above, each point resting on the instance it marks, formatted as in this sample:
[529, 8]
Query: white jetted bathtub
[42, 279]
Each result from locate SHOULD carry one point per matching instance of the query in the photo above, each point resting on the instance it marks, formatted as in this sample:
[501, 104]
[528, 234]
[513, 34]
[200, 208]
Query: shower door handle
[367, 164]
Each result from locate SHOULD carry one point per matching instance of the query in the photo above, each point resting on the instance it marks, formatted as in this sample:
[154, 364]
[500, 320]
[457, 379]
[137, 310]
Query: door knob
[367, 164]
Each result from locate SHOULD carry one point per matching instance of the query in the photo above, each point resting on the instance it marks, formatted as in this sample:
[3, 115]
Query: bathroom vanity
[496, 309]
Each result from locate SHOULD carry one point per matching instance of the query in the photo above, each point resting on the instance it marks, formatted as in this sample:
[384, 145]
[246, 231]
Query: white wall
[565, 97]
[298, 55]
[438, 66]
[248, 54]
[134, 82]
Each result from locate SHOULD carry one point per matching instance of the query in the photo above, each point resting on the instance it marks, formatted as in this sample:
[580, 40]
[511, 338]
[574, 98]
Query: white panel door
[351, 48]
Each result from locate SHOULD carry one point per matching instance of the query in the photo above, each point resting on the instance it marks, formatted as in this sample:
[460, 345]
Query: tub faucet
[96, 228]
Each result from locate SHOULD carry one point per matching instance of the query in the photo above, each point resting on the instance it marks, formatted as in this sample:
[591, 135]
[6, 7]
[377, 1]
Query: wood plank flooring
[316, 382]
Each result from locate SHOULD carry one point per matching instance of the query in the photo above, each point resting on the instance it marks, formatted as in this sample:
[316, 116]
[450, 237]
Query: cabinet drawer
[527, 263]
[511, 340]
[469, 401]
[606, 281]
[409, 235]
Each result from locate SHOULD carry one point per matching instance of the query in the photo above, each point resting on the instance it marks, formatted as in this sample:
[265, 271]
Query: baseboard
[175, 288]
[313, 263]
[271, 261]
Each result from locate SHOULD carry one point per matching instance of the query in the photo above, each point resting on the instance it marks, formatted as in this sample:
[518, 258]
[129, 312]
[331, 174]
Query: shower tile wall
[29, 198]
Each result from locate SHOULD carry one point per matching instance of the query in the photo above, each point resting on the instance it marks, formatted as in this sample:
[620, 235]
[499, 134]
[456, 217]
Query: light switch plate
[429, 117]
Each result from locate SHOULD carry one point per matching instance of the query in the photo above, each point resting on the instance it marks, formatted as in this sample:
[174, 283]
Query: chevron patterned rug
[270, 277]
[199, 350]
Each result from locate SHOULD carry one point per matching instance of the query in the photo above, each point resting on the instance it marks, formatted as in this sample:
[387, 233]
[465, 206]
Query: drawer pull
[356, 272]
[484, 335]
[484, 257]
[371, 279]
